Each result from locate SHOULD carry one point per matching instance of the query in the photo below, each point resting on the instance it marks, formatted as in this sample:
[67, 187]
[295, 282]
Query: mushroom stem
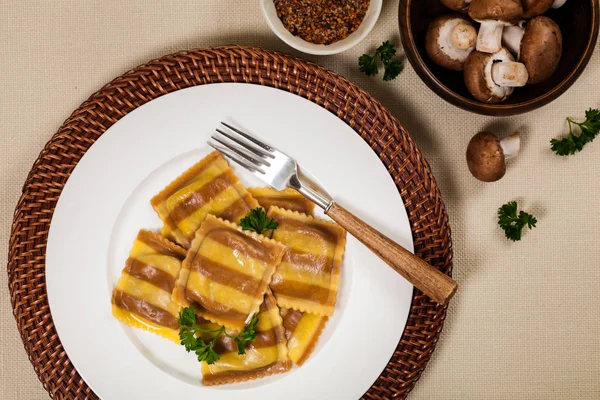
[489, 39]
[463, 36]
[511, 145]
[558, 3]
[512, 36]
[509, 74]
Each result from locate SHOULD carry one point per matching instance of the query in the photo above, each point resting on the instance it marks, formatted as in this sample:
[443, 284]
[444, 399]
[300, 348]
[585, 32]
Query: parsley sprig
[258, 221]
[189, 333]
[385, 52]
[513, 223]
[247, 335]
[572, 143]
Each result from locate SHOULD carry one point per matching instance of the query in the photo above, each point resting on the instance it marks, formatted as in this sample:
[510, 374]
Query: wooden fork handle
[426, 278]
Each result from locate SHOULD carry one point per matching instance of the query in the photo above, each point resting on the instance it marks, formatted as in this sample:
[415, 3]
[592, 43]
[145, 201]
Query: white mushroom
[487, 155]
[490, 78]
[449, 41]
[494, 15]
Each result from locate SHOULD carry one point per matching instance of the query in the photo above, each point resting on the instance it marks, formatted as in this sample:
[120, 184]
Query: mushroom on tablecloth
[487, 155]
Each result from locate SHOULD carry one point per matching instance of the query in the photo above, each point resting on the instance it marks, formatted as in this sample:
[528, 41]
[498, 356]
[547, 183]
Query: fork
[279, 170]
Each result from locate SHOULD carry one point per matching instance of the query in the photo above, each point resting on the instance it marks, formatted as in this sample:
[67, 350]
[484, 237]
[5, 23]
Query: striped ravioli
[288, 199]
[142, 297]
[226, 272]
[302, 330]
[308, 276]
[267, 355]
[208, 187]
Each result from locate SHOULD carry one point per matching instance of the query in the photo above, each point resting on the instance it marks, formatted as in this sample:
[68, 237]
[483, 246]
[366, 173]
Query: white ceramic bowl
[270, 14]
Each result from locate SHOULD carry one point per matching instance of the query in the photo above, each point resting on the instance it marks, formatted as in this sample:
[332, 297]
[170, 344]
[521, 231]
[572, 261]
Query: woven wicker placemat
[385, 135]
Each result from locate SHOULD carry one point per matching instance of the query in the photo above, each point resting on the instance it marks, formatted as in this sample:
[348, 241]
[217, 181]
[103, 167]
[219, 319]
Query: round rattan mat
[375, 124]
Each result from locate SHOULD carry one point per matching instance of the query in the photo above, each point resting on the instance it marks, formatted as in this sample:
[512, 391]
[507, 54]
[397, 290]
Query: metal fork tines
[269, 164]
[242, 148]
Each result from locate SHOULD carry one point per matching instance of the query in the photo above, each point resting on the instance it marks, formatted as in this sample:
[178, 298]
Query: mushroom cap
[541, 48]
[457, 5]
[439, 48]
[478, 76]
[535, 7]
[508, 11]
[485, 157]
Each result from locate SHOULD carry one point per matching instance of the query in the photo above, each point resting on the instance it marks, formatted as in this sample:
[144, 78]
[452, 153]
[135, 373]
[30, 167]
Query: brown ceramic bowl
[578, 20]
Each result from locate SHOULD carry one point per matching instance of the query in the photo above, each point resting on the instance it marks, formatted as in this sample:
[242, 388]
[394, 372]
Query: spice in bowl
[321, 21]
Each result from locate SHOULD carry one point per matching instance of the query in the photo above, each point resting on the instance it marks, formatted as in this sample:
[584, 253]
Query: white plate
[106, 201]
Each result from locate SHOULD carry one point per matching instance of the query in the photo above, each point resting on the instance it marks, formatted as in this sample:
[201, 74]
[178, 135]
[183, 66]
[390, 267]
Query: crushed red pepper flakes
[321, 21]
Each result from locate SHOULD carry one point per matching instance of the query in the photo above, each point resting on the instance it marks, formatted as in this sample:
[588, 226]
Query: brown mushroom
[457, 5]
[490, 78]
[487, 155]
[538, 45]
[494, 15]
[533, 8]
[449, 41]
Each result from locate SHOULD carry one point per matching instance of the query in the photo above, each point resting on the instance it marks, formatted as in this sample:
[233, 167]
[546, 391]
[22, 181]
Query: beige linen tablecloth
[525, 323]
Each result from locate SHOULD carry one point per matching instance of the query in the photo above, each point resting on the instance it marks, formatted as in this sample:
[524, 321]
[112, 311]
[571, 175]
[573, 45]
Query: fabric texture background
[525, 323]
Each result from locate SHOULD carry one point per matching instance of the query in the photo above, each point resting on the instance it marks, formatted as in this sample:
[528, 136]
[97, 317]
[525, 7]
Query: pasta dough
[288, 199]
[209, 187]
[308, 276]
[267, 355]
[142, 297]
[226, 272]
[302, 330]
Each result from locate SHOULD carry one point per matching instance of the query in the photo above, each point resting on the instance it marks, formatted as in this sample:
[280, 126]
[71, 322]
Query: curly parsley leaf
[258, 221]
[187, 317]
[187, 320]
[188, 330]
[190, 339]
[368, 65]
[513, 223]
[247, 335]
[385, 53]
[392, 70]
[574, 143]
[206, 352]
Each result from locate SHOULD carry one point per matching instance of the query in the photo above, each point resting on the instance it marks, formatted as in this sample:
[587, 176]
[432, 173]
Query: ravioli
[208, 187]
[307, 278]
[142, 297]
[267, 355]
[302, 330]
[226, 272]
[288, 199]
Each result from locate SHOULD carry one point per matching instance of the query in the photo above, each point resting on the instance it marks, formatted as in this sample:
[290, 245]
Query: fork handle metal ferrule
[319, 199]
[316, 197]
